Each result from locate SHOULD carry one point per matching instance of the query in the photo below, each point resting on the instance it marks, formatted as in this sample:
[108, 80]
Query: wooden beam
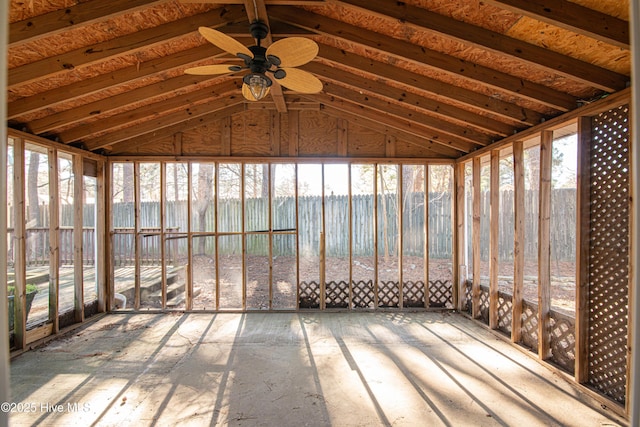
[119, 46]
[512, 112]
[257, 11]
[154, 91]
[424, 57]
[488, 127]
[168, 132]
[269, 2]
[475, 239]
[494, 229]
[583, 204]
[518, 241]
[604, 104]
[468, 34]
[573, 17]
[102, 82]
[86, 13]
[152, 126]
[544, 245]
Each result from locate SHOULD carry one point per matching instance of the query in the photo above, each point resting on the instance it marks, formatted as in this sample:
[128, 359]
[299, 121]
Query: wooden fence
[309, 226]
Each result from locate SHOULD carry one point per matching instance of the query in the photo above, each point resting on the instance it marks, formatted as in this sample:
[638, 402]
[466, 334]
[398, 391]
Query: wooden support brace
[518, 241]
[544, 246]
[494, 228]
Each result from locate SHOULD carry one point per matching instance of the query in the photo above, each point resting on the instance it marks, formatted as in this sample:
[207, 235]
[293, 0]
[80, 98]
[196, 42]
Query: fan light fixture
[279, 59]
[258, 84]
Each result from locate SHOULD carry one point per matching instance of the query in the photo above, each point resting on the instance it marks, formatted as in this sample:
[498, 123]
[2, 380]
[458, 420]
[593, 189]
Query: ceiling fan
[279, 60]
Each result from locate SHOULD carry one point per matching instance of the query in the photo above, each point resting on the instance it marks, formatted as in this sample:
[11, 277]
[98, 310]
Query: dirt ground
[284, 278]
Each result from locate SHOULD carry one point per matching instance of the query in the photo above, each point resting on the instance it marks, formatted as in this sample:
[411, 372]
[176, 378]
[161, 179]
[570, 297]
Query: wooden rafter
[573, 17]
[424, 57]
[496, 42]
[84, 13]
[377, 69]
[413, 91]
[121, 45]
[141, 114]
[329, 98]
[153, 126]
[395, 95]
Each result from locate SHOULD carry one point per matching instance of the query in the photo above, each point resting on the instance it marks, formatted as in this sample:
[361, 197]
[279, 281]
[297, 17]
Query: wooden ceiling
[454, 75]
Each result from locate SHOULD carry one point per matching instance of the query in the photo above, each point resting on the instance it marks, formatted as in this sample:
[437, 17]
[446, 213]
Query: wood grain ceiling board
[459, 74]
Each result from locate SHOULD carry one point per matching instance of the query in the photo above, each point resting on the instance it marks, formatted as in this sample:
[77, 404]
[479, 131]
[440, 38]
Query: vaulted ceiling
[456, 75]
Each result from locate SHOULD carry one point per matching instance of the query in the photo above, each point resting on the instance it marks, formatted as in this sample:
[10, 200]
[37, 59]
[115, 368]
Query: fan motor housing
[259, 30]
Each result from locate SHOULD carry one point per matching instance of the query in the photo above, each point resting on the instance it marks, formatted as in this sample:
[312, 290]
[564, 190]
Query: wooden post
[78, 226]
[518, 241]
[138, 244]
[400, 240]
[632, 397]
[475, 239]
[460, 238]
[163, 227]
[271, 186]
[243, 243]
[102, 243]
[54, 239]
[19, 247]
[425, 191]
[217, 237]
[582, 249]
[350, 239]
[323, 301]
[295, 171]
[189, 266]
[494, 227]
[5, 369]
[375, 236]
[544, 245]
[323, 259]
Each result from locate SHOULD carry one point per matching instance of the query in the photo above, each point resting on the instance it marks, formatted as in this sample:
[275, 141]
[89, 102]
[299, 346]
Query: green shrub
[11, 290]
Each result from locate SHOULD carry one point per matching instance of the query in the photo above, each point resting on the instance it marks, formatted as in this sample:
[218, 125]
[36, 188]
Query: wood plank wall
[299, 133]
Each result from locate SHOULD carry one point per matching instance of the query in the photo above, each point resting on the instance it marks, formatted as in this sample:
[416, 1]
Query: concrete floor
[291, 369]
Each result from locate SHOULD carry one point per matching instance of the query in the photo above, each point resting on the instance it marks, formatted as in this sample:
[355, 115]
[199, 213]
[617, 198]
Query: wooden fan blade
[207, 70]
[300, 81]
[224, 42]
[246, 92]
[293, 51]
